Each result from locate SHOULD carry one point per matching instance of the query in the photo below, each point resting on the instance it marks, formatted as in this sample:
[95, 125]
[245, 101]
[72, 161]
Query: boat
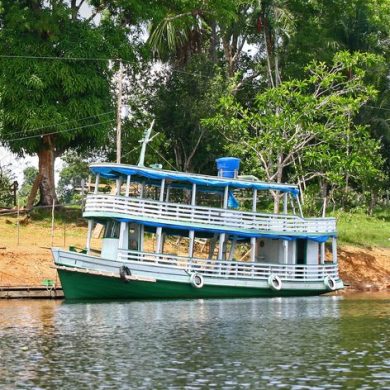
[169, 235]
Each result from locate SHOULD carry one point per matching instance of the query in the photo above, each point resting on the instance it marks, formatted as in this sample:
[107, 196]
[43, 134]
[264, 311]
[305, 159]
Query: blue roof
[113, 171]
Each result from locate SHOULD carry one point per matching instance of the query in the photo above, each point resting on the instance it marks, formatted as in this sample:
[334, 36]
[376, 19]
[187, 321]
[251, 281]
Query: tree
[49, 105]
[304, 124]
[6, 184]
[72, 176]
[30, 174]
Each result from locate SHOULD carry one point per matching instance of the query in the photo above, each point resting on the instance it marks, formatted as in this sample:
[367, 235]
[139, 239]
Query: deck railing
[232, 269]
[204, 216]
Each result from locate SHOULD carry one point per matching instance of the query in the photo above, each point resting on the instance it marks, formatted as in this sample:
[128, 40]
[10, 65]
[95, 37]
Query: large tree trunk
[46, 158]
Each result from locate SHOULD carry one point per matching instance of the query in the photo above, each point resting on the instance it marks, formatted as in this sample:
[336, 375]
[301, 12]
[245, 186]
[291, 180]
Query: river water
[299, 343]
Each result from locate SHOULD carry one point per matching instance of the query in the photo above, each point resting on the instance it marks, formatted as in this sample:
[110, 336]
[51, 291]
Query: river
[299, 343]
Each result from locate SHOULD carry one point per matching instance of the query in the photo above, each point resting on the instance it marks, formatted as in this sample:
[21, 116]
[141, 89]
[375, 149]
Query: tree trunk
[33, 192]
[46, 158]
[372, 203]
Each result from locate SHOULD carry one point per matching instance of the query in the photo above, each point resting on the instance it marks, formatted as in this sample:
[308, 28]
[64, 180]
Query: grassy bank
[359, 229]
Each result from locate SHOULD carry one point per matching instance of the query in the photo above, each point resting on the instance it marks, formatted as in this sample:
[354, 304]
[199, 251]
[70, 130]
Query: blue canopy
[113, 171]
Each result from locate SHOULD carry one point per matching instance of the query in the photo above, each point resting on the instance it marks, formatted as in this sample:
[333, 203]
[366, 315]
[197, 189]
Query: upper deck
[167, 213]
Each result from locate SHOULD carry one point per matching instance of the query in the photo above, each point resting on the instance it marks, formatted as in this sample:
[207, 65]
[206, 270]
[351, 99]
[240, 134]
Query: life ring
[274, 282]
[330, 283]
[196, 280]
[123, 272]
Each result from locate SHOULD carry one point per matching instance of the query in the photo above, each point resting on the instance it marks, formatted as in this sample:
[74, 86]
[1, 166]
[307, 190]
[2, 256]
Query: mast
[145, 140]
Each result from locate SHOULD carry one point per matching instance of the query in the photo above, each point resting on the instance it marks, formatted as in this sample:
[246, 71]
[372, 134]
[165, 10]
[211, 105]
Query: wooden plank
[30, 293]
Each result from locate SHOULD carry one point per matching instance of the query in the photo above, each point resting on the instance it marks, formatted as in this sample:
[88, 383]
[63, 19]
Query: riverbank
[25, 257]
[361, 269]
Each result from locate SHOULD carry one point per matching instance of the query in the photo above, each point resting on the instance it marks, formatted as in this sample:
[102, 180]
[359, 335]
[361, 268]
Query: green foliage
[180, 103]
[29, 175]
[6, 182]
[72, 176]
[58, 97]
[304, 129]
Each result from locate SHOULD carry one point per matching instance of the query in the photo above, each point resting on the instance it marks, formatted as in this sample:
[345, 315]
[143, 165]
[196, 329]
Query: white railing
[232, 269]
[175, 213]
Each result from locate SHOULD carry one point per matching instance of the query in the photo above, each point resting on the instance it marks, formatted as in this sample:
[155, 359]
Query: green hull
[85, 286]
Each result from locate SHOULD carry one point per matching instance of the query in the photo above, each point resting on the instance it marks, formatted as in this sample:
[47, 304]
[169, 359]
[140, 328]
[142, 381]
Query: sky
[18, 164]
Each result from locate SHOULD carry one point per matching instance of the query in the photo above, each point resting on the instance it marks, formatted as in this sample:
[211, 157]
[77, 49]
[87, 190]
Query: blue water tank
[228, 166]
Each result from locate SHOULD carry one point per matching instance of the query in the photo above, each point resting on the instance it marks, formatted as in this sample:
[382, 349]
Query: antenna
[145, 140]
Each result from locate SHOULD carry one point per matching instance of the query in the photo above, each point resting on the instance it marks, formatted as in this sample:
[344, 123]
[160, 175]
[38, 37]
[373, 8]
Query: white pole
[145, 141]
[95, 191]
[192, 232]
[285, 242]
[253, 239]
[127, 193]
[222, 236]
[89, 235]
[118, 115]
[118, 185]
[159, 229]
[285, 251]
[322, 255]
[285, 203]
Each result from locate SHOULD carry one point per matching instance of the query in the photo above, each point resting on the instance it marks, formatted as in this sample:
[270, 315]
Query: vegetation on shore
[299, 90]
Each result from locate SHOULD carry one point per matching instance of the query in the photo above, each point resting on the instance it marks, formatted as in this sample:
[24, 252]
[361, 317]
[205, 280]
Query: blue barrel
[228, 166]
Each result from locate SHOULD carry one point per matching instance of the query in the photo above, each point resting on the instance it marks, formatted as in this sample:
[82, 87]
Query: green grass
[357, 228]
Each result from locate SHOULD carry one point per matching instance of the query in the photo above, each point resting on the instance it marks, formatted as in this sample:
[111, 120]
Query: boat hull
[88, 277]
[80, 285]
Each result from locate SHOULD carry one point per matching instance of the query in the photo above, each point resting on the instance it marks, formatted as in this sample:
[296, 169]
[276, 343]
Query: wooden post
[64, 227]
[17, 223]
[253, 239]
[15, 192]
[52, 223]
[118, 115]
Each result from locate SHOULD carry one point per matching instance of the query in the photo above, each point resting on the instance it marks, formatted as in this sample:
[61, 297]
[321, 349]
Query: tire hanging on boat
[274, 282]
[330, 283]
[123, 272]
[196, 280]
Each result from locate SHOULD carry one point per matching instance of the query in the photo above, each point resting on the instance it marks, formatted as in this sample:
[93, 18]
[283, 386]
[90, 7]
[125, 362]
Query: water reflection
[321, 342]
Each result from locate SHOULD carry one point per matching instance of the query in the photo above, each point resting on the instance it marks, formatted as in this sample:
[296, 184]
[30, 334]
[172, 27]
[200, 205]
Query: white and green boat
[201, 242]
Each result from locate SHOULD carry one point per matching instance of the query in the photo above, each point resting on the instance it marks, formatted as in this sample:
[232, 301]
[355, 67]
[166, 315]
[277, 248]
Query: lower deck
[151, 275]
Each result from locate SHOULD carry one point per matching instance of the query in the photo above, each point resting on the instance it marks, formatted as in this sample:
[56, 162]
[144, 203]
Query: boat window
[111, 229]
